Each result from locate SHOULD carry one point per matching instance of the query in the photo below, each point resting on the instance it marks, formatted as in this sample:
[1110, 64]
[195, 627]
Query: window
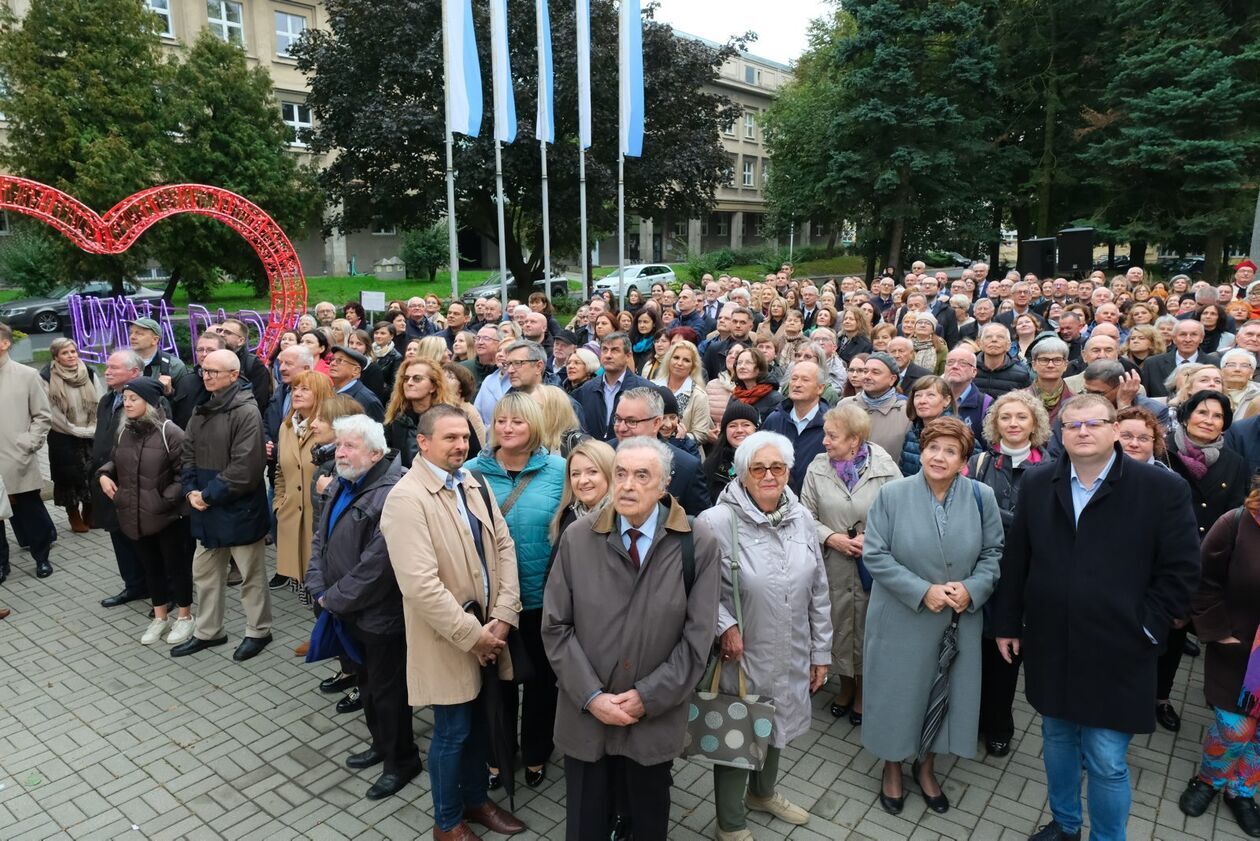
[729, 128]
[723, 224]
[750, 125]
[382, 229]
[288, 29]
[750, 166]
[734, 167]
[704, 226]
[752, 75]
[758, 221]
[765, 173]
[820, 230]
[162, 8]
[298, 118]
[680, 227]
[227, 20]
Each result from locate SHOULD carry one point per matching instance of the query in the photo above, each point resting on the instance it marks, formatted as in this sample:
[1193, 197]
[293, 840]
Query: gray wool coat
[905, 554]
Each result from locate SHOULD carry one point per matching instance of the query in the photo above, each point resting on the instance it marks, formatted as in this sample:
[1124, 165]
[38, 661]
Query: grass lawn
[832, 266]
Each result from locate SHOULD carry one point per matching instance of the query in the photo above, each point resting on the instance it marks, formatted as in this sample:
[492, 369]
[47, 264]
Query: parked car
[559, 287]
[52, 313]
[1122, 263]
[640, 276]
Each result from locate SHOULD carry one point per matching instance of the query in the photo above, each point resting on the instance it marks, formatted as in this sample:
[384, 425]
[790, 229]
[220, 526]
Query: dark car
[52, 313]
[559, 287]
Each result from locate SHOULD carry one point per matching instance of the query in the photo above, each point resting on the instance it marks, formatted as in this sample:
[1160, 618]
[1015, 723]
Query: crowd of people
[554, 533]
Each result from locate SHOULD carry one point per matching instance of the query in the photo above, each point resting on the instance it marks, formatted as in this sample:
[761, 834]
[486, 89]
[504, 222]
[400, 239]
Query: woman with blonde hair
[560, 429]
[434, 349]
[588, 477]
[1190, 378]
[1143, 342]
[683, 374]
[294, 471]
[422, 384]
[74, 391]
[881, 335]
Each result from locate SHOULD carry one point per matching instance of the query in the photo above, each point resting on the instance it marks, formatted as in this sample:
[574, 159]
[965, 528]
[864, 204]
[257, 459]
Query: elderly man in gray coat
[628, 636]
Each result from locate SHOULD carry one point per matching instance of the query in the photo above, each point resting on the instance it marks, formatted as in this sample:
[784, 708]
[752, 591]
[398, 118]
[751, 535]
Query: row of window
[226, 19]
[720, 225]
[745, 174]
[750, 126]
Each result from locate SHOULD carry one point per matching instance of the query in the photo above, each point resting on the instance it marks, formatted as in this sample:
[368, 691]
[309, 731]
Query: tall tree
[229, 134]
[1175, 146]
[81, 94]
[911, 87]
[377, 98]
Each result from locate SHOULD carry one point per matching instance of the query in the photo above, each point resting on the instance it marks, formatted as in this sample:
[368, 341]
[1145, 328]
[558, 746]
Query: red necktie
[635, 534]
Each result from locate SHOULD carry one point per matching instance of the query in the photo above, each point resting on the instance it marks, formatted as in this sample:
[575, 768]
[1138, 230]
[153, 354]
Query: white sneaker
[181, 631]
[156, 628]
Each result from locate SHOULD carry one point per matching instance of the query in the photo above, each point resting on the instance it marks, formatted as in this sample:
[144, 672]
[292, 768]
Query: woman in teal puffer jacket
[527, 483]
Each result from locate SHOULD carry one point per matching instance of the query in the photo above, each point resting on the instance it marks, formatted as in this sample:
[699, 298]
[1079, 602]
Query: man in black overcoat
[1102, 556]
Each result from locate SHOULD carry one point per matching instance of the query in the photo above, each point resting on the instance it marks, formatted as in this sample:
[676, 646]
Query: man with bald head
[222, 463]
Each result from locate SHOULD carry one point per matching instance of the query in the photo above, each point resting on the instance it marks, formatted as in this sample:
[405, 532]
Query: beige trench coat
[295, 512]
[438, 571]
[836, 509]
[24, 425]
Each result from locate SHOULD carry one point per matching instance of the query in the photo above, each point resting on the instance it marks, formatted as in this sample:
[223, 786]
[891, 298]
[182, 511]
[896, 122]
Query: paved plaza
[101, 737]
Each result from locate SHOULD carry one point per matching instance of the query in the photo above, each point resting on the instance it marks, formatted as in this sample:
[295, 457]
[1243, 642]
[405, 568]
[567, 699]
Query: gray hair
[369, 431]
[1164, 319]
[650, 396]
[533, 350]
[822, 371]
[994, 325]
[1046, 346]
[521, 307]
[757, 441]
[1206, 295]
[1107, 371]
[302, 355]
[822, 333]
[662, 450]
[130, 358]
[1239, 353]
[960, 301]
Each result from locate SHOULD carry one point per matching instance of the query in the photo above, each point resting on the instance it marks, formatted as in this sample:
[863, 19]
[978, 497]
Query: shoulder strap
[981, 461]
[484, 487]
[975, 492]
[689, 556]
[735, 590]
[164, 442]
[521, 485]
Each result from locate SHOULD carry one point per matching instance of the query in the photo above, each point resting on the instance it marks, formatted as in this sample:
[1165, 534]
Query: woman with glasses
[1237, 368]
[928, 571]
[782, 642]
[1049, 360]
[1141, 436]
[422, 384]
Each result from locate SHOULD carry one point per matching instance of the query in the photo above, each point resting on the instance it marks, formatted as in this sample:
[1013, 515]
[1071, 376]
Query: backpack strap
[975, 492]
[483, 486]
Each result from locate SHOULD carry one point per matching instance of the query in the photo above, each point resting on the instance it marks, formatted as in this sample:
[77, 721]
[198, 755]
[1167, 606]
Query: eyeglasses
[1076, 426]
[519, 363]
[211, 372]
[1236, 366]
[778, 470]
[223, 331]
[957, 363]
[1056, 361]
[618, 420]
[415, 378]
[1129, 437]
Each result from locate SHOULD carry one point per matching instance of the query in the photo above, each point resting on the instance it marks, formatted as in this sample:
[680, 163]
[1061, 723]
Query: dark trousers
[538, 708]
[130, 567]
[1169, 661]
[32, 527]
[997, 692]
[592, 789]
[167, 560]
[383, 685]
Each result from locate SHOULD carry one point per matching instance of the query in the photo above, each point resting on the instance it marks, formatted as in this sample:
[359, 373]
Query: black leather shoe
[4, 573]
[534, 779]
[938, 803]
[998, 747]
[366, 759]
[122, 598]
[352, 703]
[839, 710]
[494, 782]
[892, 805]
[1190, 648]
[1246, 813]
[392, 783]
[278, 582]
[194, 644]
[338, 683]
[250, 647]
[1053, 832]
[43, 569]
[1196, 798]
[855, 718]
[1167, 717]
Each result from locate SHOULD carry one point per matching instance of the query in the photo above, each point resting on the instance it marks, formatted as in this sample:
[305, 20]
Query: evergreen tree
[1175, 146]
[81, 94]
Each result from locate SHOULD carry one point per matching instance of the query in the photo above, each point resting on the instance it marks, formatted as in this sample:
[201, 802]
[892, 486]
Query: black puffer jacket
[1010, 375]
[145, 466]
[350, 567]
[995, 469]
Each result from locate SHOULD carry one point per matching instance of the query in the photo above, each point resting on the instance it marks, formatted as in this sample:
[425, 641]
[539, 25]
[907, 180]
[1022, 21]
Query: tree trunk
[897, 232]
[172, 284]
[995, 244]
[1213, 249]
[1137, 252]
[871, 258]
[1111, 254]
[1045, 178]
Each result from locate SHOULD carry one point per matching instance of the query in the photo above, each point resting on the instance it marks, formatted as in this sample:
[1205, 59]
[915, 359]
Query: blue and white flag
[546, 124]
[631, 72]
[584, 72]
[501, 70]
[463, 72]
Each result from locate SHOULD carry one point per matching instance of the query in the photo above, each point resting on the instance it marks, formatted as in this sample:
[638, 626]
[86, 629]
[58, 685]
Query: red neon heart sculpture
[123, 224]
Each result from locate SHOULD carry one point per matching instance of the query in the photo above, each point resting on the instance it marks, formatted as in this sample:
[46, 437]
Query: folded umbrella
[499, 730]
[329, 638]
[938, 695]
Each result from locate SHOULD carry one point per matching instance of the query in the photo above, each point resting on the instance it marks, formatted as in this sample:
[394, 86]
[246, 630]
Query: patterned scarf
[754, 394]
[72, 392]
[850, 470]
[382, 351]
[778, 514]
[1196, 457]
[1051, 399]
[877, 403]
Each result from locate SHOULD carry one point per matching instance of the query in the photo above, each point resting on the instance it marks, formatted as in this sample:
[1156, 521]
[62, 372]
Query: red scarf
[754, 394]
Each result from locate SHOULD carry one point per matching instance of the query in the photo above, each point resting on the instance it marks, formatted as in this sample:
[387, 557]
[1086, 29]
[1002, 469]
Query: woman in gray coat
[784, 646]
[926, 569]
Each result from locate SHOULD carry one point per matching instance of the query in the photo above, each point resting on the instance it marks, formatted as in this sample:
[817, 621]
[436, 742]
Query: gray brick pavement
[101, 737]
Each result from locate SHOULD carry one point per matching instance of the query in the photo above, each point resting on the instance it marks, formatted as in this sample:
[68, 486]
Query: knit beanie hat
[147, 389]
[888, 361]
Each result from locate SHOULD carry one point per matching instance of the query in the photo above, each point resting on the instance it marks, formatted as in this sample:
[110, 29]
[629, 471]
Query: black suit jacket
[1083, 595]
[371, 406]
[946, 322]
[1157, 369]
[910, 376]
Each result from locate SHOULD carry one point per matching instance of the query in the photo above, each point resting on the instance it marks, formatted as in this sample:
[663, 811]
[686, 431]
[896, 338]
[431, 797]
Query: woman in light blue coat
[933, 548]
[527, 483]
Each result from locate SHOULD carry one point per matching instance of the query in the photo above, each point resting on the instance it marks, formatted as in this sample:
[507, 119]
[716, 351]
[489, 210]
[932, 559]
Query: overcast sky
[780, 24]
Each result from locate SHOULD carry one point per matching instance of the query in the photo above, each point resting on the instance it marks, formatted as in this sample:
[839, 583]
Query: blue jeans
[1065, 748]
[457, 763]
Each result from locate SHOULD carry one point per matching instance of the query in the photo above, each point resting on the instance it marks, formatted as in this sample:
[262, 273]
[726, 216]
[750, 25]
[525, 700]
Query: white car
[640, 275]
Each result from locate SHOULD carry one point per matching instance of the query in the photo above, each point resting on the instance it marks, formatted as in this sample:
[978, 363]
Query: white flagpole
[586, 292]
[583, 22]
[498, 185]
[621, 230]
[546, 223]
[452, 237]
